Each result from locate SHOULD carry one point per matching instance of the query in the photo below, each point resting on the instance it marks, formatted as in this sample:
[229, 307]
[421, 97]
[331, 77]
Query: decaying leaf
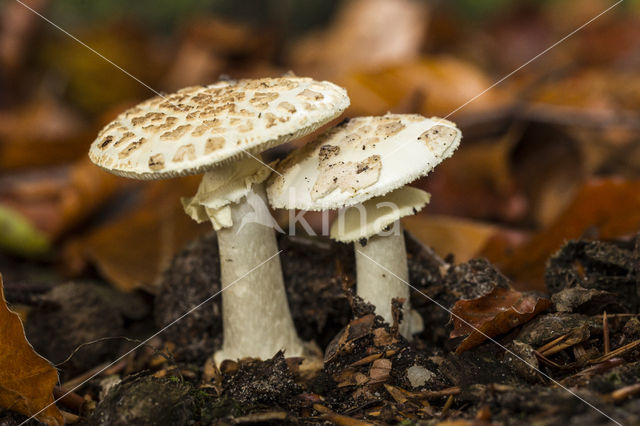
[17, 27]
[493, 314]
[41, 133]
[133, 250]
[463, 238]
[338, 419]
[18, 235]
[366, 34]
[437, 85]
[26, 379]
[356, 329]
[56, 200]
[478, 182]
[608, 208]
[380, 370]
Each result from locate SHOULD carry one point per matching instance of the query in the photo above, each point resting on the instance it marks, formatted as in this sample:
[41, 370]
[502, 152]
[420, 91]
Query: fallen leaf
[26, 379]
[598, 109]
[125, 44]
[493, 314]
[338, 419]
[43, 132]
[206, 46]
[366, 34]
[17, 28]
[478, 182]
[548, 167]
[380, 370]
[399, 395]
[463, 238]
[133, 250]
[607, 208]
[18, 235]
[438, 85]
[355, 330]
[56, 200]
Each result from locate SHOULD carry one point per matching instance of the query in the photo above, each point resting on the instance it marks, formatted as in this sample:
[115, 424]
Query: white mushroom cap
[363, 158]
[356, 223]
[197, 128]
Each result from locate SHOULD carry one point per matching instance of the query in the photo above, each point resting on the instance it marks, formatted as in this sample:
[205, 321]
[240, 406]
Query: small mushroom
[362, 167]
[216, 130]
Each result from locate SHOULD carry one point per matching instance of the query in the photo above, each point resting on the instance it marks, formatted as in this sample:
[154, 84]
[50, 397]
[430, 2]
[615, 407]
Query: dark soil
[370, 374]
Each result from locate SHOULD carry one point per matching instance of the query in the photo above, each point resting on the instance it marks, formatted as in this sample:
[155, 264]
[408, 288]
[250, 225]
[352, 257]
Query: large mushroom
[218, 130]
[365, 163]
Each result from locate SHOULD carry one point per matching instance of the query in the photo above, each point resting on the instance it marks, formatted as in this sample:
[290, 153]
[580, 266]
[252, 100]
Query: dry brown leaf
[26, 379]
[463, 238]
[57, 200]
[17, 27]
[132, 251]
[493, 314]
[205, 47]
[366, 34]
[43, 132]
[607, 208]
[124, 43]
[478, 182]
[600, 92]
[439, 85]
[398, 394]
[462, 423]
[380, 370]
[339, 419]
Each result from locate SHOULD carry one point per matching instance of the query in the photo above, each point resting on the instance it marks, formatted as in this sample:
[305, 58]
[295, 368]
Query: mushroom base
[256, 318]
[383, 274]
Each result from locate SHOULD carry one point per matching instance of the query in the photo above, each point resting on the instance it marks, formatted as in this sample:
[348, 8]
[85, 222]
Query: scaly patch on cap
[362, 158]
[198, 128]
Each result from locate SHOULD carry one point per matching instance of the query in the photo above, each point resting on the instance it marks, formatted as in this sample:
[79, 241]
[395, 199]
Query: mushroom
[366, 163]
[216, 130]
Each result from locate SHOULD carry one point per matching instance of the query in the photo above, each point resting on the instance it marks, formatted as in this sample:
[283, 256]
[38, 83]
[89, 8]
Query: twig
[71, 384]
[615, 353]
[616, 315]
[542, 349]
[68, 399]
[69, 418]
[155, 350]
[605, 330]
[436, 394]
[553, 364]
[625, 392]
[447, 405]
[596, 369]
[557, 348]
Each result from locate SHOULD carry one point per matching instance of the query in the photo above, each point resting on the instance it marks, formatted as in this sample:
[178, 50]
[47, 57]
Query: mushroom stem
[256, 317]
[383, 274]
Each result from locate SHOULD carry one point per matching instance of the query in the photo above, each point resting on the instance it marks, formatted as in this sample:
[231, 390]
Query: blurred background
[549, 154]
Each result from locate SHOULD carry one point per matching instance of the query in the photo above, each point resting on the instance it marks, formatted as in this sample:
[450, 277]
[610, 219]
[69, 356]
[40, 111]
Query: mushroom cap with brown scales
[363, 158]
[197, 128]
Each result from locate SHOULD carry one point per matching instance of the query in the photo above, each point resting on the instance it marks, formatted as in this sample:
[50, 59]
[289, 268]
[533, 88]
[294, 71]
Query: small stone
[107, 384]
[419, 376]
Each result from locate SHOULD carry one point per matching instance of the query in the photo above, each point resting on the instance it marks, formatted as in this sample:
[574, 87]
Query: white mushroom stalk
[379, 284]
[363, 163]
[381, 259]
[256, 317]
[212, 130]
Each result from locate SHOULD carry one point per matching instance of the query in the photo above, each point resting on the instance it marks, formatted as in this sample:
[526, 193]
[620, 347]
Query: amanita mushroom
[366, 162]
[214, 130]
